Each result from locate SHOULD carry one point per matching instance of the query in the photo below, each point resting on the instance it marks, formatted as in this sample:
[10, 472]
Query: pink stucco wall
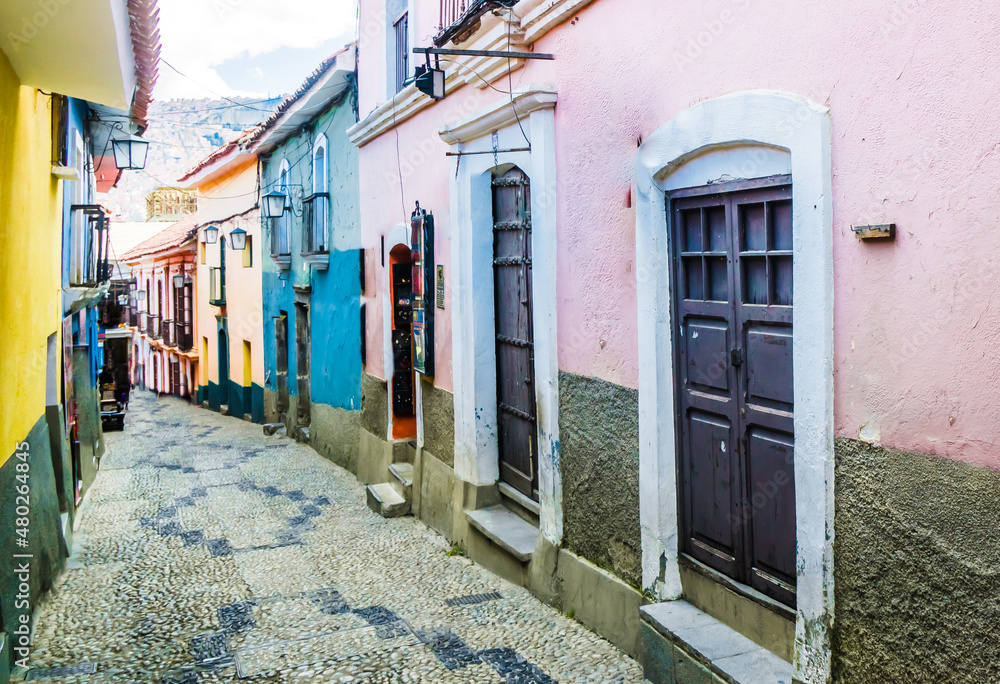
[916, 128]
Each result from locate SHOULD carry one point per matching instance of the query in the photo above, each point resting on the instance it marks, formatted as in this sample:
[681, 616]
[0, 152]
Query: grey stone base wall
[335, 434]
[374, 405]
[46, 543]
[439, 422]
[599, 454]
[916, 568]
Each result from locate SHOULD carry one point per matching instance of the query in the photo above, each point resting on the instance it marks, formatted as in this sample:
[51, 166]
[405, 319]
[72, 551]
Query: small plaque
[885, 231]
[440, 286]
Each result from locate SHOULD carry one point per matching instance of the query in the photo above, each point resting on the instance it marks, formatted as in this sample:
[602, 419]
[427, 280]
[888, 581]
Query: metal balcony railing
[460, 18]
[315, 223]
[133, 317]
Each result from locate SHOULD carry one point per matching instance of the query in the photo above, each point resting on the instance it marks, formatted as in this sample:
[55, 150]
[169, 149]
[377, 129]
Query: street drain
[68, 671]
[473, 599]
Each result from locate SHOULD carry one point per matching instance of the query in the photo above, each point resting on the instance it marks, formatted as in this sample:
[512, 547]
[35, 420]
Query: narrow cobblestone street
[209, 553]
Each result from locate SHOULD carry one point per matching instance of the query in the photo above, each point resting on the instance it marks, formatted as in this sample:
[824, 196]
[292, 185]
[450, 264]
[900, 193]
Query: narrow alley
[208, 552]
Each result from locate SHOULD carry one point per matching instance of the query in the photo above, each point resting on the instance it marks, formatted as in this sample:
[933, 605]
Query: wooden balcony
[169, 333]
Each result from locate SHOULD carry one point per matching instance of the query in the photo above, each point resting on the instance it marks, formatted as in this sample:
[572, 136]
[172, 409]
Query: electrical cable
[485, 82]
[510, 86]
[228, 99]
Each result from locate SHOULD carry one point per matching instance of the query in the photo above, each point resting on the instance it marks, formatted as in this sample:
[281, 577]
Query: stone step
[402, 479]
[682, 644]
[386, 501]
[506, 529]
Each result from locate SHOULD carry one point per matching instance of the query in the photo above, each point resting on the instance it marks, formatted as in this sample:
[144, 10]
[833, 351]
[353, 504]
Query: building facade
[679, 339]
[44, 169]
[163, 271]
[228, 305]
[312, 268]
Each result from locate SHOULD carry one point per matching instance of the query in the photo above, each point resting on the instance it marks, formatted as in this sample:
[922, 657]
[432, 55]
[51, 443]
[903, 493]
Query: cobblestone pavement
[210, 553]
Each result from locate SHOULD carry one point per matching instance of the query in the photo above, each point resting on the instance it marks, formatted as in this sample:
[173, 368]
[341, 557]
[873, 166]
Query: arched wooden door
[515, 352]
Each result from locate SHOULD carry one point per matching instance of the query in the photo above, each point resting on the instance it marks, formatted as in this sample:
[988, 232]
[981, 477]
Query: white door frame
[793, 123]
[473, 332]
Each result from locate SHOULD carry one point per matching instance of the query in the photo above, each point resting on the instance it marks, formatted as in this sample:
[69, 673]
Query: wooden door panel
[516, 422]
[771, 503]
[733, 296]
[714, 491]
[707, 351]
[769, 367]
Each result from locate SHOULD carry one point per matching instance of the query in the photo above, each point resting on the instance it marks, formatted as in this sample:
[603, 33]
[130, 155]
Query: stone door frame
[789, 123]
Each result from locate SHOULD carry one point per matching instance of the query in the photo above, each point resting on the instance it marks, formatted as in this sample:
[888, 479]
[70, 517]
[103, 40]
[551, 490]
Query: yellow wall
[232, 193]
[30, 244]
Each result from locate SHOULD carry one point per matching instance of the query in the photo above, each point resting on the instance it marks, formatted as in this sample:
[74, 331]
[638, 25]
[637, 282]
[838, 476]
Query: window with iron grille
[402, 65]
[315, 219]
[281, 227]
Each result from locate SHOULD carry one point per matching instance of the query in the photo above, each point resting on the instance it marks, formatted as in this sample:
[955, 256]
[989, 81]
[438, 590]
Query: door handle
[736, 357]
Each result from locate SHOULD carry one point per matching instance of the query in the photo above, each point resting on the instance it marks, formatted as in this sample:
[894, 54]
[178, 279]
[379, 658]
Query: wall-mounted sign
[885, 231]
[422, 256]
[440, 286]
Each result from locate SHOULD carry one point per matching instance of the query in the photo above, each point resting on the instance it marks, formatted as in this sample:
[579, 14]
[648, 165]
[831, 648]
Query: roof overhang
[236, 158]
[313, 102]
[82, 48]
[306, 106]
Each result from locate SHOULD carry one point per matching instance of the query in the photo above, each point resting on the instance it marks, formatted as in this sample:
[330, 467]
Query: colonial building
[312, 264]
[170, 204]
[228, 297]
[680, 319]
[62, 100]
[163, 272]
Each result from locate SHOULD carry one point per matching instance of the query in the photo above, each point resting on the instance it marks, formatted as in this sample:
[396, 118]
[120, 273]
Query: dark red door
[514, 338]
[733, 325]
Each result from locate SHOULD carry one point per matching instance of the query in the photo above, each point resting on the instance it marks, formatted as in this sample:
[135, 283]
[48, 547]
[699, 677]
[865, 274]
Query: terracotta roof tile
[144, 20]
[173, 235]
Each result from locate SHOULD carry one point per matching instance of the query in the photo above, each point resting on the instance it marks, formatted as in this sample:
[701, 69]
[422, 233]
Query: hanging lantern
[238, 239]
[211, 234]
[274, 204]
[130, 153]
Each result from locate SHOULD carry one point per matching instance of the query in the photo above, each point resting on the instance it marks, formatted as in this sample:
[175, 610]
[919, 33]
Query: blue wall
[334, 301]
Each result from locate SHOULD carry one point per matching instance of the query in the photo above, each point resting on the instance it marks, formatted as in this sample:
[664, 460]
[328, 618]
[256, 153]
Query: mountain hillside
[181, 133]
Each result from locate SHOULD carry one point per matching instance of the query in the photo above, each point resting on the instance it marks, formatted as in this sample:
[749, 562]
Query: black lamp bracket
[507, 54]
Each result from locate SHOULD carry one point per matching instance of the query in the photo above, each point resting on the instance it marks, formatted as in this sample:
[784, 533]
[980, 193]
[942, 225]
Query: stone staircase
[392, 499]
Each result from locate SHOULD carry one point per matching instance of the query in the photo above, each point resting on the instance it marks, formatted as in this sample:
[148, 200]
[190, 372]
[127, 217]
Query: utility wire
[228, 99]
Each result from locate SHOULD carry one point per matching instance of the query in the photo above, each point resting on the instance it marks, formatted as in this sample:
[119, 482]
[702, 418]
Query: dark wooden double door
[516, 414]
[733, 334]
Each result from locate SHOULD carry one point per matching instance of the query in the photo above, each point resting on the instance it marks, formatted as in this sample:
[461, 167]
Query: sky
[253, 48]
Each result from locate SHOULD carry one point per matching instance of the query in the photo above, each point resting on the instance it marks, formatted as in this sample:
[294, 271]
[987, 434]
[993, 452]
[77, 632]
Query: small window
[402, 64]
[248, 253]
[202, 253]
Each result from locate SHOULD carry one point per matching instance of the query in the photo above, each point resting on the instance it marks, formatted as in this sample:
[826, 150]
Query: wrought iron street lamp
[274, 204]
[122, 300]
[238, 239]
[178, 281]
[211, 234]
[130, 153]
